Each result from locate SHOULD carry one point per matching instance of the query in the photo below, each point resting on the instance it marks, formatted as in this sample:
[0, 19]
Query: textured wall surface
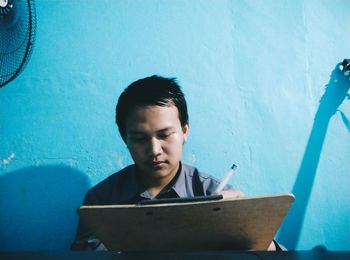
[263, 91]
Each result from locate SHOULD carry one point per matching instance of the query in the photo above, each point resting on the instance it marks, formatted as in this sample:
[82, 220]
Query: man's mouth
[156, 163]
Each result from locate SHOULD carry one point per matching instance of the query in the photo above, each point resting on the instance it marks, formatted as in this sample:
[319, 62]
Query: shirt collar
[134, 187]
[180, 183]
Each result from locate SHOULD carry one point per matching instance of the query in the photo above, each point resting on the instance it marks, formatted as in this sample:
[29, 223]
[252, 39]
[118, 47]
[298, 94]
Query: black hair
[153, 90]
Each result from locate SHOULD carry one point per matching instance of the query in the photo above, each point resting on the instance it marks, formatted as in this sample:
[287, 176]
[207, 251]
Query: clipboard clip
[181, 200]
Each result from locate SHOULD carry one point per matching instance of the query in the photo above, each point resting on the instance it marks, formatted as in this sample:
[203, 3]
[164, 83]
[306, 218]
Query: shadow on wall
[38, 207]
[335, 93]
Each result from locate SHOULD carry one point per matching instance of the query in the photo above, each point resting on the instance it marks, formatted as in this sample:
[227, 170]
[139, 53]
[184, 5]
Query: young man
[152, 118]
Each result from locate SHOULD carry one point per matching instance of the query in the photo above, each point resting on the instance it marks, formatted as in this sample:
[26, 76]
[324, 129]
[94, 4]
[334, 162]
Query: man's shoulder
[193, 172]
[208, 182]
[104, 189]
[113, 179]
[201, 179]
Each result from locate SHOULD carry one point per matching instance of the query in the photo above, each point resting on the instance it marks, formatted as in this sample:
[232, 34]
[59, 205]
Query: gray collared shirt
[125, 187]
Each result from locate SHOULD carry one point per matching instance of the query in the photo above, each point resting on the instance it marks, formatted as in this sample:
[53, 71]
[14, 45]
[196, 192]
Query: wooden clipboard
[229, 224]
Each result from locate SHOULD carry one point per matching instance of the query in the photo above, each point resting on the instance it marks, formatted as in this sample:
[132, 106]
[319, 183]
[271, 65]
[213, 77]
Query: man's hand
[272, 247]
[231, 194]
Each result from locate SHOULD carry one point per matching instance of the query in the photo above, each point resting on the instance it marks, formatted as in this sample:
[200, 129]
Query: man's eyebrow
[140, 132]
[135, 132]
[170, 128]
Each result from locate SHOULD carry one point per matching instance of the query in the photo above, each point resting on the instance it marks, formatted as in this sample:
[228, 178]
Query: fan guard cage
[17, 35]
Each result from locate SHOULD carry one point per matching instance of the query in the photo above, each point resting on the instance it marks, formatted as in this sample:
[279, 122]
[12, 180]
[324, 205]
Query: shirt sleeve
[85, 239]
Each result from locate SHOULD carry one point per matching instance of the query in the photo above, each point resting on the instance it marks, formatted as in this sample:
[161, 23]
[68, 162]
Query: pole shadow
[38, 207]
[336, 91]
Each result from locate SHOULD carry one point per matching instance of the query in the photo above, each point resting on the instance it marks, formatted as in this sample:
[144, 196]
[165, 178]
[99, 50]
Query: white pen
[226, 178]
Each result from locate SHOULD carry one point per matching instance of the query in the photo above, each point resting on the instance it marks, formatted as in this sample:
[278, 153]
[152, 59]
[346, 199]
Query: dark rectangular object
[181, 200]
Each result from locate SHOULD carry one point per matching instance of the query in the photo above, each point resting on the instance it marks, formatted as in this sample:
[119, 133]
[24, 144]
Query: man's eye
[138, 138]
[165, 135]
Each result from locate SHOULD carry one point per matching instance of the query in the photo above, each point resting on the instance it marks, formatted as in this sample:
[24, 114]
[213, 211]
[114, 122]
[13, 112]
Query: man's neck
[155, 185]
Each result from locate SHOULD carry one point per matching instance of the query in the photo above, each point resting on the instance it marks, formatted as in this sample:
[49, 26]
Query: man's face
[155, 139]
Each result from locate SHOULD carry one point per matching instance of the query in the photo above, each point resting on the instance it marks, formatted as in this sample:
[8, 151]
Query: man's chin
[157, 173]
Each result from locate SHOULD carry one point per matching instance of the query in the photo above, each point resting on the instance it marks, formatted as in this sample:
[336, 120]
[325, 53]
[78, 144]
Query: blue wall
[262, 89]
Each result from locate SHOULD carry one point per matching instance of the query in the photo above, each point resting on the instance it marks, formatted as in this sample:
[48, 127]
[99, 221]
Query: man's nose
[155, 147]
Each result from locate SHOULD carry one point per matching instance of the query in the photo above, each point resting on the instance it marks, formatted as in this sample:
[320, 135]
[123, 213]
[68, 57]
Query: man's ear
[186, 131]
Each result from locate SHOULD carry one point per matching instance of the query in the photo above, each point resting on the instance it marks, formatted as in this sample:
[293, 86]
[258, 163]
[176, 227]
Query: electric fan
[17, 33]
